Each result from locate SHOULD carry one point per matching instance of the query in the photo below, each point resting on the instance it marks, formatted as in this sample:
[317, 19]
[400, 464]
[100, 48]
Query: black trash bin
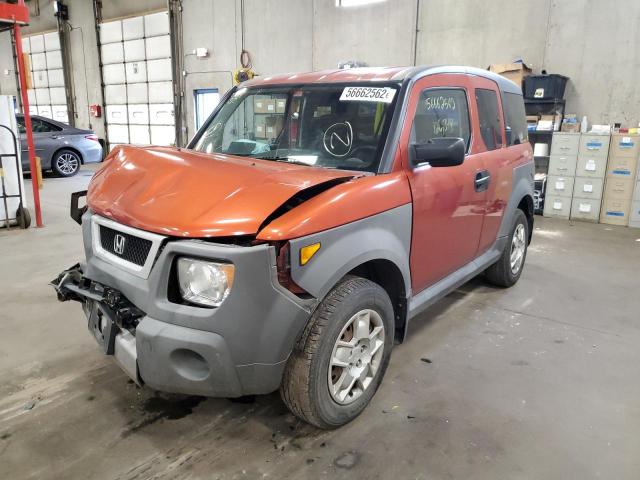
[545, 87]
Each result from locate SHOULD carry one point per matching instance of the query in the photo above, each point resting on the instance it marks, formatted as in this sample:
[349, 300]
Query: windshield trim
[387, 129]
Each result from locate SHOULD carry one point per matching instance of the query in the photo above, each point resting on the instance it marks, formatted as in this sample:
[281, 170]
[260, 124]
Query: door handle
[483, 177]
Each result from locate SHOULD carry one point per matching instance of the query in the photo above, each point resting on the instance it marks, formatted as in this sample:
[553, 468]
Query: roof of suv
[378, 74]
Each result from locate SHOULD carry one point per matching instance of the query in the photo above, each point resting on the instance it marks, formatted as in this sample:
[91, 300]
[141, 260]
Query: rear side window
[21, 128]
[514, 118]
[489, 115]
[40, 126]
[441, 112]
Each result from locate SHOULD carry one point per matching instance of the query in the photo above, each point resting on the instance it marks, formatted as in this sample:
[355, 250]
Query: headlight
[204, 283]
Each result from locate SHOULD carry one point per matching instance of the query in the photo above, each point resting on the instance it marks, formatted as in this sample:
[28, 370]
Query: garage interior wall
[299, 35]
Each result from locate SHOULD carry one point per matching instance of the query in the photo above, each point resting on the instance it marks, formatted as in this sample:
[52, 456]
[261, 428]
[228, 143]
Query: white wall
[593, 42]
[378, 34]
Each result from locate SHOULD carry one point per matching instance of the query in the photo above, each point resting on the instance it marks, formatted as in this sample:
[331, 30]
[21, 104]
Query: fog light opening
[189, 364]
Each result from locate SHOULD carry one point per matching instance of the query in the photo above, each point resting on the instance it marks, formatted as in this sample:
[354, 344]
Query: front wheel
[336, 370]
[507, 270]
[65, 163]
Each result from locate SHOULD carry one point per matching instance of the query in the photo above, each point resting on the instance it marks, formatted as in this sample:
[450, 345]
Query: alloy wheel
[68, 163]
[356, 356]
[518, 247]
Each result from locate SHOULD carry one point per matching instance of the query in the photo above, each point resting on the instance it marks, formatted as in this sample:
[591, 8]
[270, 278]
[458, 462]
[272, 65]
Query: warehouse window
[489, 115]
[205, 101]
[441, 112]
[514, 117]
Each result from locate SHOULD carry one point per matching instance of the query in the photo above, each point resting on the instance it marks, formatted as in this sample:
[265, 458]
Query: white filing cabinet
[591, 167]
[562, 167]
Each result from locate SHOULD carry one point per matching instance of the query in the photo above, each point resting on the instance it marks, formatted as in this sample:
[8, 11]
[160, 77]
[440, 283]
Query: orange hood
[183, 193]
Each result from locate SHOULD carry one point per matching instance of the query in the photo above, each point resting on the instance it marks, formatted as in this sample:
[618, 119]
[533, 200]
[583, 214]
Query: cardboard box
[270, 106]
[513, 71]
[615, 212]
[260, 131]
[273, 125]
[570, 127]
[259, 105]
[532, 121]
[281, 105]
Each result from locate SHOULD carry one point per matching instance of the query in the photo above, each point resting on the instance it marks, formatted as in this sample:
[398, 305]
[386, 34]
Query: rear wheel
[65, 163]
[507, 270]
[23, 217]
[338, 367]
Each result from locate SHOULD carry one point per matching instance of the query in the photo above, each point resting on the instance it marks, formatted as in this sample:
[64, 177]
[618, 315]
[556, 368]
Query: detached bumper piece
[76, 211]
[72, 285]
[112, 319]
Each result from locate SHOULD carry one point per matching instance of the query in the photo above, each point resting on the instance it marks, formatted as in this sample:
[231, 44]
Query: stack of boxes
[270, 116]
[590, 172]
[621, 179]
[562, 170]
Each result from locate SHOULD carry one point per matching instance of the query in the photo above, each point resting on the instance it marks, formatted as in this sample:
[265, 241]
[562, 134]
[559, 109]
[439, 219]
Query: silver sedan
[61, 147]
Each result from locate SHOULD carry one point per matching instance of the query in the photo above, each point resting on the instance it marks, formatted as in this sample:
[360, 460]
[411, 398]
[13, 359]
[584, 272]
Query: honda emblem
[118, 244]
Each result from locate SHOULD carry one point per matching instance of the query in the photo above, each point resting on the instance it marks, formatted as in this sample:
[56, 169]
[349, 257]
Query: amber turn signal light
[306, 253]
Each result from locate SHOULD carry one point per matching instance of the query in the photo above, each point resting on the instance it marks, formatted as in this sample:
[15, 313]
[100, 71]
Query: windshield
[325, 126]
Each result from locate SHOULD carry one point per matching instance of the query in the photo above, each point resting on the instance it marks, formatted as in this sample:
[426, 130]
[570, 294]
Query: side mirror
[438, 152]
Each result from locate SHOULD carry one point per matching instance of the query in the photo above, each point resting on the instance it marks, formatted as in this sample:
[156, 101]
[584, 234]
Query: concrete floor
[538, 381]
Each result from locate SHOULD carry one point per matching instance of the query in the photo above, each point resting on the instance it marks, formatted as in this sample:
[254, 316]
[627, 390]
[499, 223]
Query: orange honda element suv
[304, 226]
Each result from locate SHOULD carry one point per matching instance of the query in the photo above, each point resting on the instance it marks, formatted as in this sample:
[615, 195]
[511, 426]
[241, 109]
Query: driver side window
[441, 112]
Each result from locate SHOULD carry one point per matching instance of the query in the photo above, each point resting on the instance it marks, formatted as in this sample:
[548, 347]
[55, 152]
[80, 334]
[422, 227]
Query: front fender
[384, 236]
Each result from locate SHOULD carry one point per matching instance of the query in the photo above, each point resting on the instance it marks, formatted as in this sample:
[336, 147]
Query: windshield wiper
[287, 159]
[272, 157]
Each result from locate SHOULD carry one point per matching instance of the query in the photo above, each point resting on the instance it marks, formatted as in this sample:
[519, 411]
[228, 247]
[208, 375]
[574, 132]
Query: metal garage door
[47, 97]
[136, 59]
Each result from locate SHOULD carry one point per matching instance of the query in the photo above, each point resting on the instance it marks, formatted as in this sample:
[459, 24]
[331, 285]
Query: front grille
[124, 245]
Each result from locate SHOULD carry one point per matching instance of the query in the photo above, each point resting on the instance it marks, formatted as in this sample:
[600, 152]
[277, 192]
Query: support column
[27, 124]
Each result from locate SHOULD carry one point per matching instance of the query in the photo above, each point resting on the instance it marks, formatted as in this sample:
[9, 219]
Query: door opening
[205, 100]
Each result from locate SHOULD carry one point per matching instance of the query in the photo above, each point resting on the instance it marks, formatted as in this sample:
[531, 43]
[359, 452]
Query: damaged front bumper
[239, 348]
[111, 318]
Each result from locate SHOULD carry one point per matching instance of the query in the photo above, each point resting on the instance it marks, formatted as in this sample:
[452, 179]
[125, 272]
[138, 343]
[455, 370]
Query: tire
[24, 217]
[308, 376]
[503, 273]
[66, 163]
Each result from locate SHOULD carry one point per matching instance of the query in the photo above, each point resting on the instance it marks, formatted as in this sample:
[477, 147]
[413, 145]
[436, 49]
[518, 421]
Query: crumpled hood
[183, 193]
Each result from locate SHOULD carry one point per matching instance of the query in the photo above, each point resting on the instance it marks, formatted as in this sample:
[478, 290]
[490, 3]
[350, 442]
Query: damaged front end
[112, 319]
